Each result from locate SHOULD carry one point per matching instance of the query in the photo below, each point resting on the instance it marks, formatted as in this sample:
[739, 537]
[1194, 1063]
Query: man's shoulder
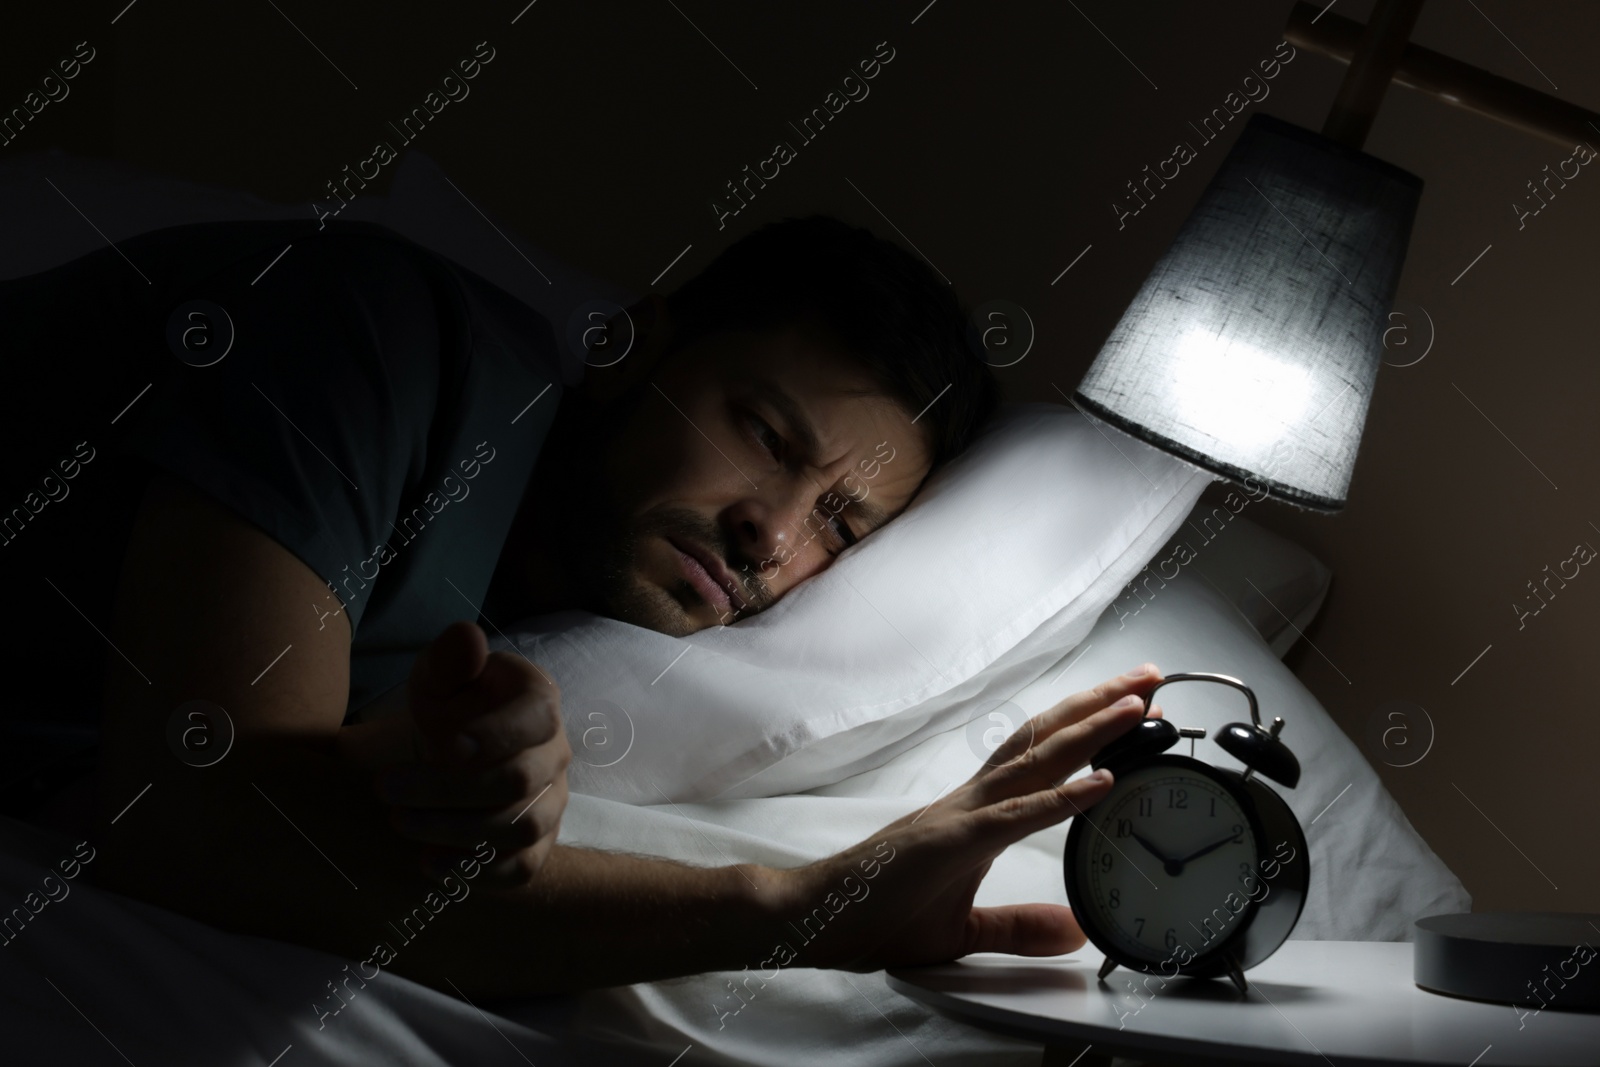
[345, 283]
[355, 265]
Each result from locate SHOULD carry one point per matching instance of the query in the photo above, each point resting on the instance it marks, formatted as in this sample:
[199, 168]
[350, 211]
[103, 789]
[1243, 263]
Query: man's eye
[843, 530]
[766, 436]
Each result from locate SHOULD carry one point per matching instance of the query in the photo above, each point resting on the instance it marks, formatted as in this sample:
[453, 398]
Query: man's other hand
[487, 778]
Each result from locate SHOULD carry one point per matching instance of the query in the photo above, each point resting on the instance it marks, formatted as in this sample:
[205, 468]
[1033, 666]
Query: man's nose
[766, 521]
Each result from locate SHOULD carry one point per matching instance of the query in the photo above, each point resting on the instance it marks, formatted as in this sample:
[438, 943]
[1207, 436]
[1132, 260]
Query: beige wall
[995, 141]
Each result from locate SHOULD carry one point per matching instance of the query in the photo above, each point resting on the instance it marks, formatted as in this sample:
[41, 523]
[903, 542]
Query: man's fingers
[1053, 758]
[1023, 930]
[1009, 820]
[514, 827]
[528, 719]
[963, 840]
[521, 777]
[1074, 709]
[508, 705]
[1079, 705]
[1068, 749]
[448, 663]
[442, 671]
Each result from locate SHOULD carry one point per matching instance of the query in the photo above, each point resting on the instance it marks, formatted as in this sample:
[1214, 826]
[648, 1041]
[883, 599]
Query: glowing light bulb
[1235, 392]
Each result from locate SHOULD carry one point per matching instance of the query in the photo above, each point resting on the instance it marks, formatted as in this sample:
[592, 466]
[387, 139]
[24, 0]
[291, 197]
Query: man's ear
[646, 329]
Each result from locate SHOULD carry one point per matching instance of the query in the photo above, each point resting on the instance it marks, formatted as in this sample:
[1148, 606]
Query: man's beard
[618, 591]
[605, 543]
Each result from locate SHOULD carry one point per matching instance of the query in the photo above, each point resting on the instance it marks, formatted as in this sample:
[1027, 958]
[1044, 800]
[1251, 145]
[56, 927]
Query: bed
[163, 988]
[775, 741]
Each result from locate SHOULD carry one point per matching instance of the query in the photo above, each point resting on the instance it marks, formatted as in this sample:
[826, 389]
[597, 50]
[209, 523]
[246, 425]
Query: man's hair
[886, 308]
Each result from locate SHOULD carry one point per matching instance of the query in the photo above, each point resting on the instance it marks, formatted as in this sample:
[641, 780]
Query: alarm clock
[1185, 868]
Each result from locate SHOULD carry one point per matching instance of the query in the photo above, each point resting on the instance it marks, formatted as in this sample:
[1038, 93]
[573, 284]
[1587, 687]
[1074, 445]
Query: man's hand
[488, 759]
[926, 867]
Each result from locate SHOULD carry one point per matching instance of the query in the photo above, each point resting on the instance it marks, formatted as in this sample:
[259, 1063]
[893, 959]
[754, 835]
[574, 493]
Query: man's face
[746, 465]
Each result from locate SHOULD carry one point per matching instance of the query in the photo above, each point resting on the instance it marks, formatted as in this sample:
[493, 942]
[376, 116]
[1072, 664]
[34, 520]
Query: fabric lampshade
[1253, 347]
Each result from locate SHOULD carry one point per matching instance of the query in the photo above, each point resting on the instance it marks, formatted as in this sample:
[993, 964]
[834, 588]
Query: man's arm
[284, 837]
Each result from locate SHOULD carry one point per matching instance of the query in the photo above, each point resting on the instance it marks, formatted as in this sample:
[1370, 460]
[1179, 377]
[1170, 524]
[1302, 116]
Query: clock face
[1170, 860]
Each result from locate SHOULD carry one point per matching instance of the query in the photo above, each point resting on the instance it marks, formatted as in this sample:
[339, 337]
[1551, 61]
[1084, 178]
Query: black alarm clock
[1185, 868]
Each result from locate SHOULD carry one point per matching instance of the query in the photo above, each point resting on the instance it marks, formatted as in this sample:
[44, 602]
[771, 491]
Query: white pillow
[1274, 583]
[1004, 560]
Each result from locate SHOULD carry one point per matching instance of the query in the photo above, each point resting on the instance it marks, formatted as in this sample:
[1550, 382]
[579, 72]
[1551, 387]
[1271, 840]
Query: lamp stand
[1371, 69]
[1435, 74]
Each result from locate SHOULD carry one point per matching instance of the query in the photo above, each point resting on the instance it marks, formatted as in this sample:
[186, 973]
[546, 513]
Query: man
[341, 453]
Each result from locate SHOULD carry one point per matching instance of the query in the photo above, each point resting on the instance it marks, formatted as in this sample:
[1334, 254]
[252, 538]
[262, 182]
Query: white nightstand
[1313, 1003]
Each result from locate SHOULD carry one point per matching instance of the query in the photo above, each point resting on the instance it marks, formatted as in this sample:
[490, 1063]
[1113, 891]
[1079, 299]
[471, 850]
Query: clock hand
[1209, 848]
[1148, 847]
[1171, 866]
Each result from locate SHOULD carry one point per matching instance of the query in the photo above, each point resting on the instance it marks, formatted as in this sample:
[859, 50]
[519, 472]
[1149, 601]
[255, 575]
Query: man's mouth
[709, 576]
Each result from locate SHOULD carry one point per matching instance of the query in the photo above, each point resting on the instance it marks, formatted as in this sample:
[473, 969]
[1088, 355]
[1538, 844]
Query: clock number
[1245, 871]
[1147, 805]
[1177, 798]
[1116, 898]
[1138, 928]
[1172, 938]
[1238, 834]
[1124, 827]
[1105, 862]
[1213, 805]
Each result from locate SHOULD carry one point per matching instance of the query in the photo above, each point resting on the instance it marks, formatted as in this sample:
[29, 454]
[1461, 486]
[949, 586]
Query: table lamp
[1253, 347]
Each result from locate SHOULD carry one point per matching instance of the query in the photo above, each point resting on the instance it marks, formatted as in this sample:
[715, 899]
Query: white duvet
[95, 969]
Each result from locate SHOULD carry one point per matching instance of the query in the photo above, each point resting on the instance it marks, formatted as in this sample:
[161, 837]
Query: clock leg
[1106, 968]
[1236, 973]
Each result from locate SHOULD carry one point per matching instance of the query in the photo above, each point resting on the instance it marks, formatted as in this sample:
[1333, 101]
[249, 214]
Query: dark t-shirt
[370, 413]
